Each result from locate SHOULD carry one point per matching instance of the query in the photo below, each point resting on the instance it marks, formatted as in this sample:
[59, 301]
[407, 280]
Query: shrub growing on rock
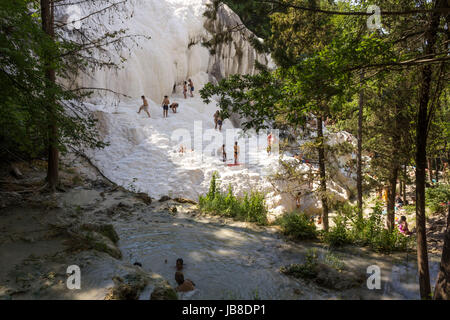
[297, 226]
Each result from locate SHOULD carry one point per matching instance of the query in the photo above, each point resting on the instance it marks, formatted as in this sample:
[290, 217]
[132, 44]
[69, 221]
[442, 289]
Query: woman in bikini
[236, 152]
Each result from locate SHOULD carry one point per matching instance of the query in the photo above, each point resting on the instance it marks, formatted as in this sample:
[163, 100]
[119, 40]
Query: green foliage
[333, 261]
[370, 231]
[297, 226]
[437, 196]
[255, 15]
[249, 208]
[307, 270]
[29, 101]
[338, 235]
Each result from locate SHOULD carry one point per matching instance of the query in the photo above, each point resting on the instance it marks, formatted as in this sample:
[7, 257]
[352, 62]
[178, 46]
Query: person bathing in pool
[165, 105]
[179, 264]
[183, 285]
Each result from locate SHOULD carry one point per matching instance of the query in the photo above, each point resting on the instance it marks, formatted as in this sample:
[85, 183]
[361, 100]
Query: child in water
[179, 264]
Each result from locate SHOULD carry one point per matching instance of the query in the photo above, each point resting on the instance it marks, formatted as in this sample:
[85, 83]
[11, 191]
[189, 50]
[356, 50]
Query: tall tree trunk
[391, 198]
[322, 173]
[359, 153]
[421, 154]
[47, 12]
[442, 288]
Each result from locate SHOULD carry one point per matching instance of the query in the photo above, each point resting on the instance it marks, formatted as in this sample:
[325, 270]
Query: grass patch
[249, 208]
[307, 270]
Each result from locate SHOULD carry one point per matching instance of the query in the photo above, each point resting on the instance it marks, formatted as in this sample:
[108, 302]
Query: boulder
[184, 200]
[102, 238]
[144, 197]
[105, 229]
[325, 275]
[129, 287]
[163, 291]
[164, 199]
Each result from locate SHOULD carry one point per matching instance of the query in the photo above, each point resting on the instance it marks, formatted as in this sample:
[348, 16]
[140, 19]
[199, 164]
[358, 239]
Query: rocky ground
[41, 234]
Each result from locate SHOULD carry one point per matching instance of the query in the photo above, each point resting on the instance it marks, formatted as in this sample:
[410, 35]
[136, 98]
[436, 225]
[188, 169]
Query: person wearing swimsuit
[185, 89]
[219, 123]
[165, 104]
[174, 107]
[144, 106]
[184, 285]
[224, 154]
[236, 152]
[216, 117]
[191, 86]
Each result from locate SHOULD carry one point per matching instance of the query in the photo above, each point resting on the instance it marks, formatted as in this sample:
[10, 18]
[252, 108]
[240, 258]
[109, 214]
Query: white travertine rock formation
[143, 154]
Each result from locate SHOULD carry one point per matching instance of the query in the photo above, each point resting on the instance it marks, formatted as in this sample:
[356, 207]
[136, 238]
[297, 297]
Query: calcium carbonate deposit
[144, 153]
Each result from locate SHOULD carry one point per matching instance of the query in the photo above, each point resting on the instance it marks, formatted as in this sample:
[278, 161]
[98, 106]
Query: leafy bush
[339, 234]
[250, 208]
[437, 196]
[298, 226]
[370, 231]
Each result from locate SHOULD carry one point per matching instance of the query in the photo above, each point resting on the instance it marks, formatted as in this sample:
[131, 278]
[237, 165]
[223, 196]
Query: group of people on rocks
[165, 105]
[166, 102]
[188, 85]
[236, 149]
[218, 122]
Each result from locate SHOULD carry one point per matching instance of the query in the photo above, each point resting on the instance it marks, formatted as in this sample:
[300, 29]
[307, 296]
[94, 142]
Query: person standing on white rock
[224, 154]
[191, 87]
[144, 106]
[236, 152]
[220, 122]
[185, 89]
[216, 117]
[165, 105]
